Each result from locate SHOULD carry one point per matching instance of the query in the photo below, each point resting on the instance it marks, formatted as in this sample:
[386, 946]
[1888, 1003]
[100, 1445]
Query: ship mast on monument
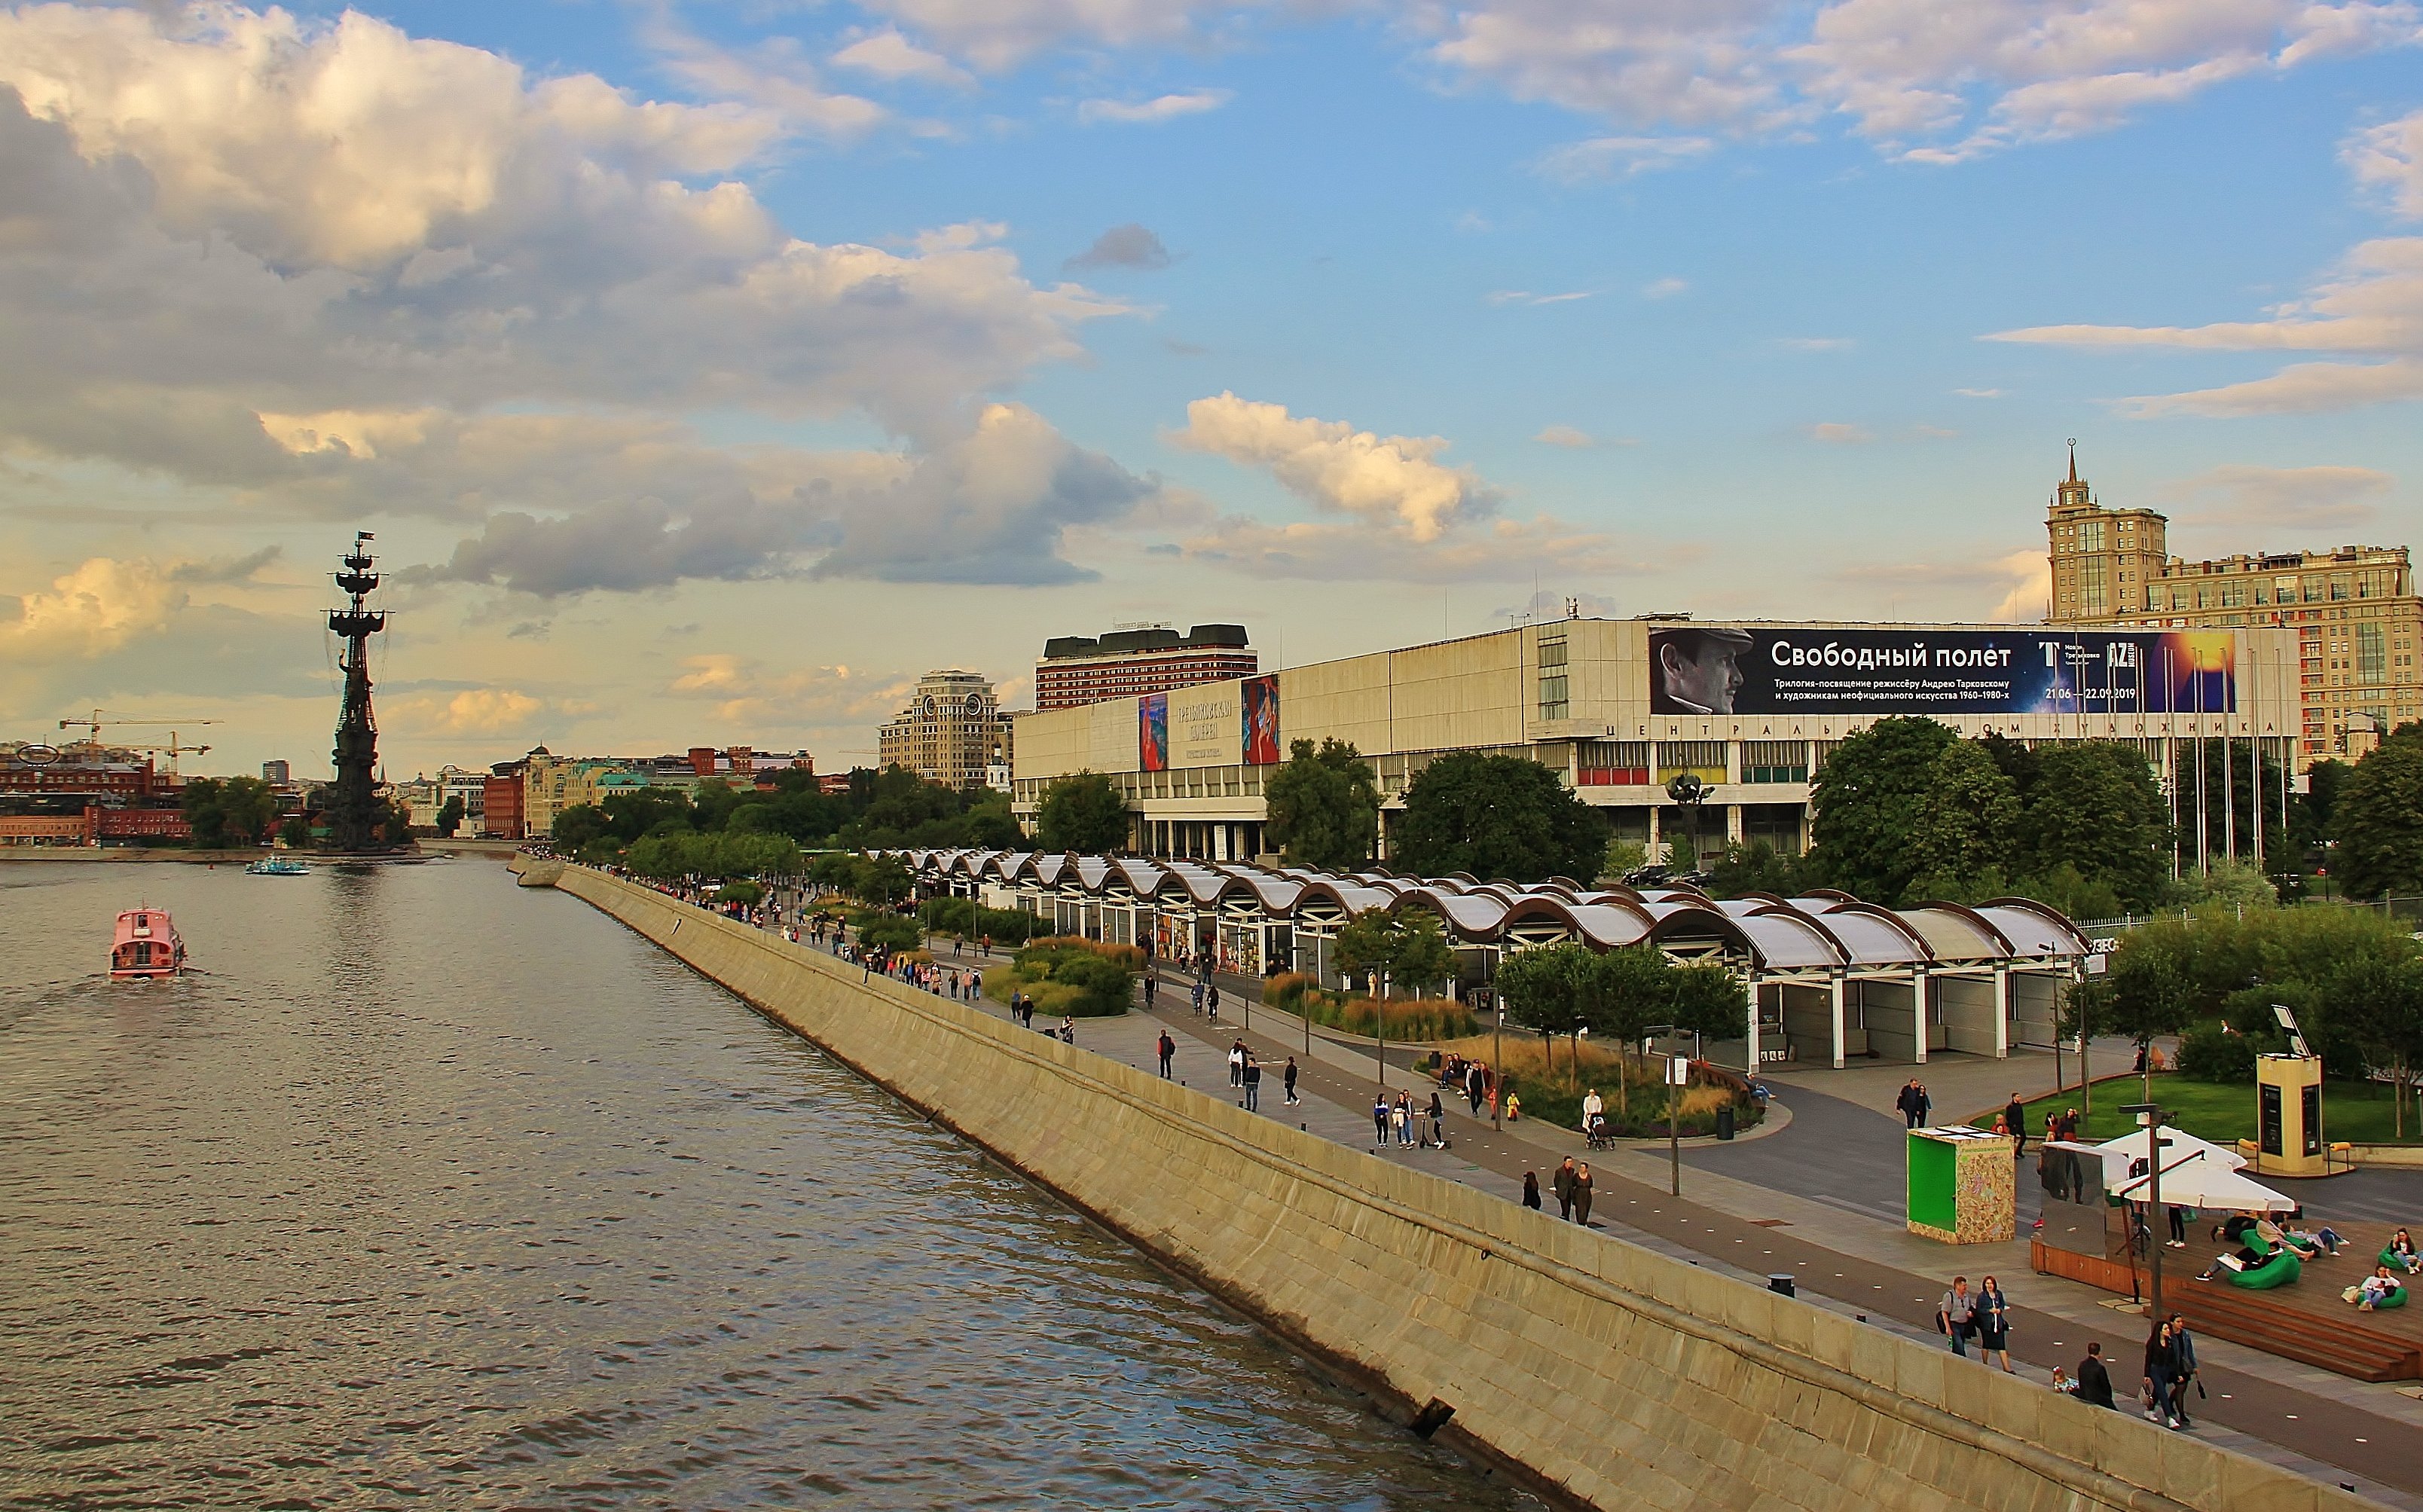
[355, 812]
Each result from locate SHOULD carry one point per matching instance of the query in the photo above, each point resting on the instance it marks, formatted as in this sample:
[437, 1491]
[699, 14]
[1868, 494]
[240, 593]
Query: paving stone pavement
[2366, 1437]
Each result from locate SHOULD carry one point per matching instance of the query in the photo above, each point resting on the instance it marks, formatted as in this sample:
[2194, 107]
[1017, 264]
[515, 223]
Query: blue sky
[710, 370]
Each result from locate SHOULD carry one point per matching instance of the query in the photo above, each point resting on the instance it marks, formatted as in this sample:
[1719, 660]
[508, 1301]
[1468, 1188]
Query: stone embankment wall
[1613, 1376]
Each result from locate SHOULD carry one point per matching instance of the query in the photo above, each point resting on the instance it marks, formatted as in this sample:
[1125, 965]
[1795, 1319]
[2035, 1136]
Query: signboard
[1152, 732]
[1717, 668]
[1205, 728]
[1260, 699]
[38, 755]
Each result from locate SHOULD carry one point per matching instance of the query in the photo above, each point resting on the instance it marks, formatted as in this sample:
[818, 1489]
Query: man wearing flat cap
[1697, 669]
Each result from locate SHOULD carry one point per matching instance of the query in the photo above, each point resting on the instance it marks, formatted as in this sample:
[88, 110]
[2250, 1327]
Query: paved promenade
[1819, 1199]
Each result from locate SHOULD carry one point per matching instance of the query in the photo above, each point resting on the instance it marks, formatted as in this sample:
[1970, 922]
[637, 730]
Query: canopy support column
[1836, 989]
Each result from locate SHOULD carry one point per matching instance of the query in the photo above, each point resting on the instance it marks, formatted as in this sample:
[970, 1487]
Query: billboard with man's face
[1717, 668]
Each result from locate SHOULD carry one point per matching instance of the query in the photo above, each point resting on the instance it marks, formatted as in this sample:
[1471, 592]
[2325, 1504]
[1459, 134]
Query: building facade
[1620, 708]
[952, 731]
[1081, 670]
[2353, 610]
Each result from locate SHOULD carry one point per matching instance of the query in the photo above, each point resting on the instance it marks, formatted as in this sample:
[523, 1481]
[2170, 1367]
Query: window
[1775, 760]
[1553, 705]
[2091, 536]
[1704, 759]
[1611, 763]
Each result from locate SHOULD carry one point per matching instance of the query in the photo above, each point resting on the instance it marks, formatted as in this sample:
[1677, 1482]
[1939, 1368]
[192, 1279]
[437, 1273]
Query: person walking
[1993, 1316]
[1408, 1126]
[1581, 1194]
[1067, 1029]
[1380, 1116]
[2094, 1380]
[1168, 1048]
[1563, 1182]
[1438, 1122]
[1253, 1085]
[1211, 1002]
[1237, 1063]
[1908, 1103]
[1151, 989]
[1196, 1000]
[1473, 1077]
[2015, 1113]
[1287, 1077]
[2161, 1370]
[2184, 1343]
[1531, 1191]
[1957, 1313]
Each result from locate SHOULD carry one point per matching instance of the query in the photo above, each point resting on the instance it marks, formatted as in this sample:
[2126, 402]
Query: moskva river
[428, 1190]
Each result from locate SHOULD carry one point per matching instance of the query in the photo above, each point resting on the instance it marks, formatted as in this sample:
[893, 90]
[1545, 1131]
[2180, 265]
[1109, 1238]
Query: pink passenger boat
[147, 947]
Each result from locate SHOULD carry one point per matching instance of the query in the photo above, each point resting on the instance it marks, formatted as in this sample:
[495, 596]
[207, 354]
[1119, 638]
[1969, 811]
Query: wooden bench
[2262, 1320]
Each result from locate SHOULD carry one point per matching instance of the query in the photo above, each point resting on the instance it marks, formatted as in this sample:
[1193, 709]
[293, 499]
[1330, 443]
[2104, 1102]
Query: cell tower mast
[354, 810]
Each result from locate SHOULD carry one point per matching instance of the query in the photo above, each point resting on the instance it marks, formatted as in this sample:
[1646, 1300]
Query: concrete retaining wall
[1612, 1374]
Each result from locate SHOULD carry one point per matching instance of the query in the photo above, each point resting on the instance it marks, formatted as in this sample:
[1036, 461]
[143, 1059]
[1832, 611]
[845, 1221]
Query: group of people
[2257, 1236]
[1572, 1186]
[2168, 1370]
[1476, 1083]
[1022, 1012]
[1404, 1123]
[1245, 1072]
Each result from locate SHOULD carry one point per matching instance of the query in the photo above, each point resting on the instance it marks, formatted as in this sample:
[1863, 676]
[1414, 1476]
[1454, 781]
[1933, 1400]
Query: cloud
[2288, 499]
[1124, 246]
[1981, 393]
[1519, 296]
[482, 711]
[1816, 343]
[2371, 305]
[1622, 157]
[1502, 551]
[1549, 604]
[225, 570]
[349, 222]
[773, 79]
[999, 34]
[1665, 288]
[887, 54]
[1396, 481]
[1837, 432]
[1154, 111]
[2018, 584]
[2388, 159]
[990, 507]
[1920, 81]
[745, 692]
[99, 605]
[1566, 435]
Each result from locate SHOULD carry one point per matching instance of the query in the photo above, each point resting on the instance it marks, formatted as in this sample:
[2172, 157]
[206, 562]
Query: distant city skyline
[711, 372]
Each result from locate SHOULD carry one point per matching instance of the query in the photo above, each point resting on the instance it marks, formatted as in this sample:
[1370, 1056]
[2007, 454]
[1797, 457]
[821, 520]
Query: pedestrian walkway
[1841, 1254]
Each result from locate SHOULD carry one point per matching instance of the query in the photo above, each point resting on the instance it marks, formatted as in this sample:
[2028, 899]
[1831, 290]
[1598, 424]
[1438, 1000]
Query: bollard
[1779, 1282]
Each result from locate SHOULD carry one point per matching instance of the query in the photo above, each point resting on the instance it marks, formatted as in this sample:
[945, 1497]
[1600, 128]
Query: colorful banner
[1259, 696]
[1204, 727]
[1152, 732]
[1718, 668]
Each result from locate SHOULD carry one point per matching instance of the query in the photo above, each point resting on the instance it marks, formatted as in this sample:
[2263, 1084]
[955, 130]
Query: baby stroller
[1600, 1135]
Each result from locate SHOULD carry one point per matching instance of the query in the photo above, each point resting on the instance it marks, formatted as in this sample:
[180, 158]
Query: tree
[229, 810]
[2377, 998]
[1083, 812]
[1541, 989]
[1709, 1001]
[1324, 805]
[577, 825]
[2378, 819]
[2153, 991]
[2096, 807]
[1968, 824]
[1624, 858]
[1755, 867]
[1497, 816]
[641, 811]
[296, 833]
[883, 880]
[1620, 995]
[1866, 801]
[1366, 946]
[449, 816]
[1423, 955]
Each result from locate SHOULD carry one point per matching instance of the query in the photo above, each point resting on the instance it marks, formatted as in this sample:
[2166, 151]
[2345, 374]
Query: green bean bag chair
[2396, 1299]
[2278, 1269]
[2391, 1258]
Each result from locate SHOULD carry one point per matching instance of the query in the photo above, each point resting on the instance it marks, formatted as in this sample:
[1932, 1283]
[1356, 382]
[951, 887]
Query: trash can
[1725, 1121]
[1779, 1282]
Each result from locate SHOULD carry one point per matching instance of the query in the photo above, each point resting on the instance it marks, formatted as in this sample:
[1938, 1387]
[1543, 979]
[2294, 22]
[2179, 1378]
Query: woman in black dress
[1993, 1318]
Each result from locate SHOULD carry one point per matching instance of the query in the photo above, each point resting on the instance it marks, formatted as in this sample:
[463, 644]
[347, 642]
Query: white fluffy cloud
[745, 691]
[1394, 480]
[2243, 496]
[2388, 158]
[1154, 111]
[2370, 308]
[96, 607]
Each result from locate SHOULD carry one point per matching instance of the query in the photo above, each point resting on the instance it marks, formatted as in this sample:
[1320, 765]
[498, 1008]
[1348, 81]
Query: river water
[432, 1191]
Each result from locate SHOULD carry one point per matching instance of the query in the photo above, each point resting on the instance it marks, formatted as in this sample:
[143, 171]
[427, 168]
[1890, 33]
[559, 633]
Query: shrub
[2210, 1053]
[740, 893]
[1285, 990]
[970, 919]
[1097, 981]
[1397, 1019]
[889, 932]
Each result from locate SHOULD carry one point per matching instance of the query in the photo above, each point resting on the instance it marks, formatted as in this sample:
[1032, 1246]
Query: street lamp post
[1678, 1073]
[1688, 793]
[2150, 1115]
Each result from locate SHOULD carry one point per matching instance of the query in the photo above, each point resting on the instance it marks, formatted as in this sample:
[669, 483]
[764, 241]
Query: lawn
[2359, 1111]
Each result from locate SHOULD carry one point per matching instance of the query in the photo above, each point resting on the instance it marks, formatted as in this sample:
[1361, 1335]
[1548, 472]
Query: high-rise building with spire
[2359, 622]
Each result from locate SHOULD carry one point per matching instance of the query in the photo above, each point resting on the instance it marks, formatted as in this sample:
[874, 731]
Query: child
[2062, 1384]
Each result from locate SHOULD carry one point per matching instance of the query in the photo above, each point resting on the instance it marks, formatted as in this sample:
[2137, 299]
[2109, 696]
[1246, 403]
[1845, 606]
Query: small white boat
[278, 866]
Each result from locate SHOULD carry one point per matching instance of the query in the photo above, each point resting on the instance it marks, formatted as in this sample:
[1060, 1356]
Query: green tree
[1624, 858]
[296, 833]
[1754, 867]
[1424, 958]
[1968, 824]
[1083, 812]
[1366, 946]
[1543, 989]
[2377, 819]
[2377, 999]
[1620, 995]
[449, 816]
[631, 814]
[1710, 1002]
[883, 881]
[232, 811]
[2153, 991]
[1497, 816]
[1324, 806]
[1866, 802]
[989, 825]
[2096, 807]
[578, 824]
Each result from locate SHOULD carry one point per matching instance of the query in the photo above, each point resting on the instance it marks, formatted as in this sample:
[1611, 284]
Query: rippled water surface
[433, 1191]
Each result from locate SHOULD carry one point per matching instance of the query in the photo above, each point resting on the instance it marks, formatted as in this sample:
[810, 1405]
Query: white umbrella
[2196, 1180]
[2130, 1147]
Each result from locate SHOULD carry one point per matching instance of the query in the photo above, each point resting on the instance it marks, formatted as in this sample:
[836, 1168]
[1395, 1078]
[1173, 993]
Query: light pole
[2150, 1115]
[1678, 1076]
[1688, 792]
[1496, 1055]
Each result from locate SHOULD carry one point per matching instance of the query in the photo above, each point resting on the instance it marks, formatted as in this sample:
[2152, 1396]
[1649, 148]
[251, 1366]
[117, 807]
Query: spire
[2073, 459]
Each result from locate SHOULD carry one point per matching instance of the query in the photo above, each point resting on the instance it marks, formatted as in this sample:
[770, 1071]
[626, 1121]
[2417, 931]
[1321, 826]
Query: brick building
[1081, 670]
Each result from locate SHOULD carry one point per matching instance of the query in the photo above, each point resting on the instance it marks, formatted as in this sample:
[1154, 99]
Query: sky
[708, 370]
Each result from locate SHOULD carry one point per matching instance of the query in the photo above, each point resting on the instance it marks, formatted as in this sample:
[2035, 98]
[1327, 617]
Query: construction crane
[175, 748]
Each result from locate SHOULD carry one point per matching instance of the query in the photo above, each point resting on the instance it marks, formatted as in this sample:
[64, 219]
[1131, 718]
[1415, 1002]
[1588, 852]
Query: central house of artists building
[1619, 708]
